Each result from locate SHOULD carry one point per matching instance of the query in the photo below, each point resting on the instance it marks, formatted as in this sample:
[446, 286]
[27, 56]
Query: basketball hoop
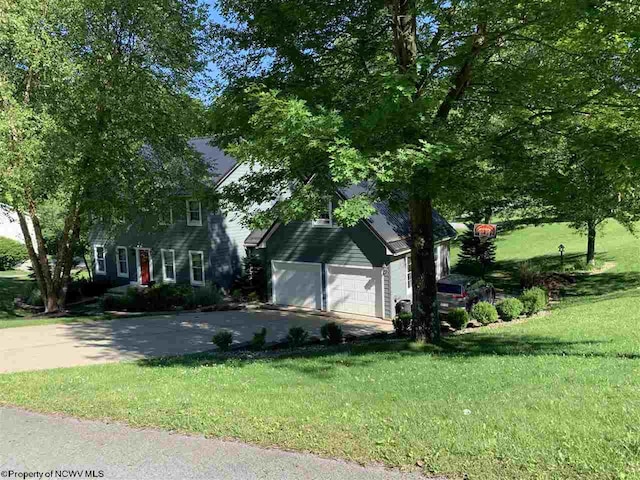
[485, 231]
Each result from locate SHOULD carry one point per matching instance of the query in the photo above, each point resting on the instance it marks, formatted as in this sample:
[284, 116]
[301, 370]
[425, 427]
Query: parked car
[462, 291]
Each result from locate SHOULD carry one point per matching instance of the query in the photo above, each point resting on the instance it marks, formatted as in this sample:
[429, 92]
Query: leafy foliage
[223, 340]
[12, 253]
[414, 100]
[474, 250]
[297, 336]
[484, 312]
[259, 339]
[332, 333]
[402, 323]
[458, 318]
[534, 300]
[509, 309]
[163, 297]
[94, 117]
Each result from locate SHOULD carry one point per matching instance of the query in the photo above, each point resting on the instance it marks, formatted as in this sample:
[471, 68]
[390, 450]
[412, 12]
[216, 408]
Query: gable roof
[392, 228]
[221, 163]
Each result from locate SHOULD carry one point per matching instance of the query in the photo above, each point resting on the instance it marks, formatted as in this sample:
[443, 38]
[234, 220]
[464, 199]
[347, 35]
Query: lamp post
[561, 250]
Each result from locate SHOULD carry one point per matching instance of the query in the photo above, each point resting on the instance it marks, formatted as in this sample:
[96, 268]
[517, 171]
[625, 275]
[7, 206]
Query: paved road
[32, 442]
[53, 346]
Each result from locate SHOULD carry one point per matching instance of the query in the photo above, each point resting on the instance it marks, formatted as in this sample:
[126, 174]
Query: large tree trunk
[591, 242]
[426, 323]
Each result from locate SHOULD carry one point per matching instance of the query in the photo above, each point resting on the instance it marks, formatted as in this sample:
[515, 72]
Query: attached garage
[356, 290]
[297, 283]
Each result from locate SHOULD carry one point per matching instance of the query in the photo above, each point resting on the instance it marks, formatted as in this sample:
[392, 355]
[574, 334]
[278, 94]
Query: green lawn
[555, 397]
[13, 283]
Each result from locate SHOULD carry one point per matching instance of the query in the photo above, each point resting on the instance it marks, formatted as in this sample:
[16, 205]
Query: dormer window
[194, 213]
[325, 219]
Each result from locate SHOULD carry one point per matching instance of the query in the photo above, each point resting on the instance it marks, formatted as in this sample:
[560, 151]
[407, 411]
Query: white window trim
[192, 223]
[172, 252]
[104, 259]
[193, 281]
[320, 222]
[126, 257]
[162, 222]
[407, 266]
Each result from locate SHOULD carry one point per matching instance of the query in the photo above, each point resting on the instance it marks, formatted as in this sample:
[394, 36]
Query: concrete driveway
[54, 346]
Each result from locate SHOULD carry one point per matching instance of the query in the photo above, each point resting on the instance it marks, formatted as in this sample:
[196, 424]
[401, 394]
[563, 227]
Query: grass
[539, 246]
[555, 397]
[13, 283]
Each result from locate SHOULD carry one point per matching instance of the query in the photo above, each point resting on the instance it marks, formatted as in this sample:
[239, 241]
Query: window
[166, 218]
[194, 213]
[101, 262]
[196, 266]
[409, 274]
[326, 219]
[122, 262]
[168, 266]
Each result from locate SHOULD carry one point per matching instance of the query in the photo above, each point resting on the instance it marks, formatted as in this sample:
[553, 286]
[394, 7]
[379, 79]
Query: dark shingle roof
[393, 228]
[221, 163]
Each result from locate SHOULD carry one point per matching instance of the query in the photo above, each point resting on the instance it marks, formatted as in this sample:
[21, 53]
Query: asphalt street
[35, 443]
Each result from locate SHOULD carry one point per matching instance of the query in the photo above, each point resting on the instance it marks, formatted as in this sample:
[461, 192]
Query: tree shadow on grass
[505, 275]
[322, 363]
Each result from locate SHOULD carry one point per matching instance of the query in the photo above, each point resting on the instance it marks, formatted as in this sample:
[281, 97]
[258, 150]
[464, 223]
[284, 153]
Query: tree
[94, 116]
[406, 96]
[477, 251]
[586, 169]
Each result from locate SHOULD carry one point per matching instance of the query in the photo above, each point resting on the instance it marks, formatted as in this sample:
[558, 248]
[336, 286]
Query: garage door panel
[297, 284]
[355, 290]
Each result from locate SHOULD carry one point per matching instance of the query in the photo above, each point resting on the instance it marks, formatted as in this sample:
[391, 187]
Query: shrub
[484, 312]
[297, 336]
[200, 296]
[253, 297]
[259, 339]
[533, 300]
[458, 318]
[223, 340]
[236, 295]
[12, 253]
[332, 333]
[163, 297]
[402, 323]
[509, 309]
[32, 296]
[529, 274]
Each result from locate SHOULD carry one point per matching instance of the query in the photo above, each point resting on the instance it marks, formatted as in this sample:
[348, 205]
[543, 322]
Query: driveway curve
[75, 344]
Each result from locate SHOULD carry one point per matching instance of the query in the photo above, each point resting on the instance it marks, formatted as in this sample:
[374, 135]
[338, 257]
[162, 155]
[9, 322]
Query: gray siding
[221, 239]
[146, 233]
[304, 242]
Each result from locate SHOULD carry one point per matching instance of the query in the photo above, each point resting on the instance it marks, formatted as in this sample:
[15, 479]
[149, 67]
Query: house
[190, 245]
[363, 269]
[316, 264]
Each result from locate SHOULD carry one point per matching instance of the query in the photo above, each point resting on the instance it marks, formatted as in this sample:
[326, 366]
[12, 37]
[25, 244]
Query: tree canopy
[88, 89]
[411, 97]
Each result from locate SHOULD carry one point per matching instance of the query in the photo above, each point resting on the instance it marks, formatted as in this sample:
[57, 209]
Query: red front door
[145, 273]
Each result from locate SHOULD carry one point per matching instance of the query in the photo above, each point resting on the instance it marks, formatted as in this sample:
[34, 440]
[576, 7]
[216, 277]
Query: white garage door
[298, 284]
[355, 290]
